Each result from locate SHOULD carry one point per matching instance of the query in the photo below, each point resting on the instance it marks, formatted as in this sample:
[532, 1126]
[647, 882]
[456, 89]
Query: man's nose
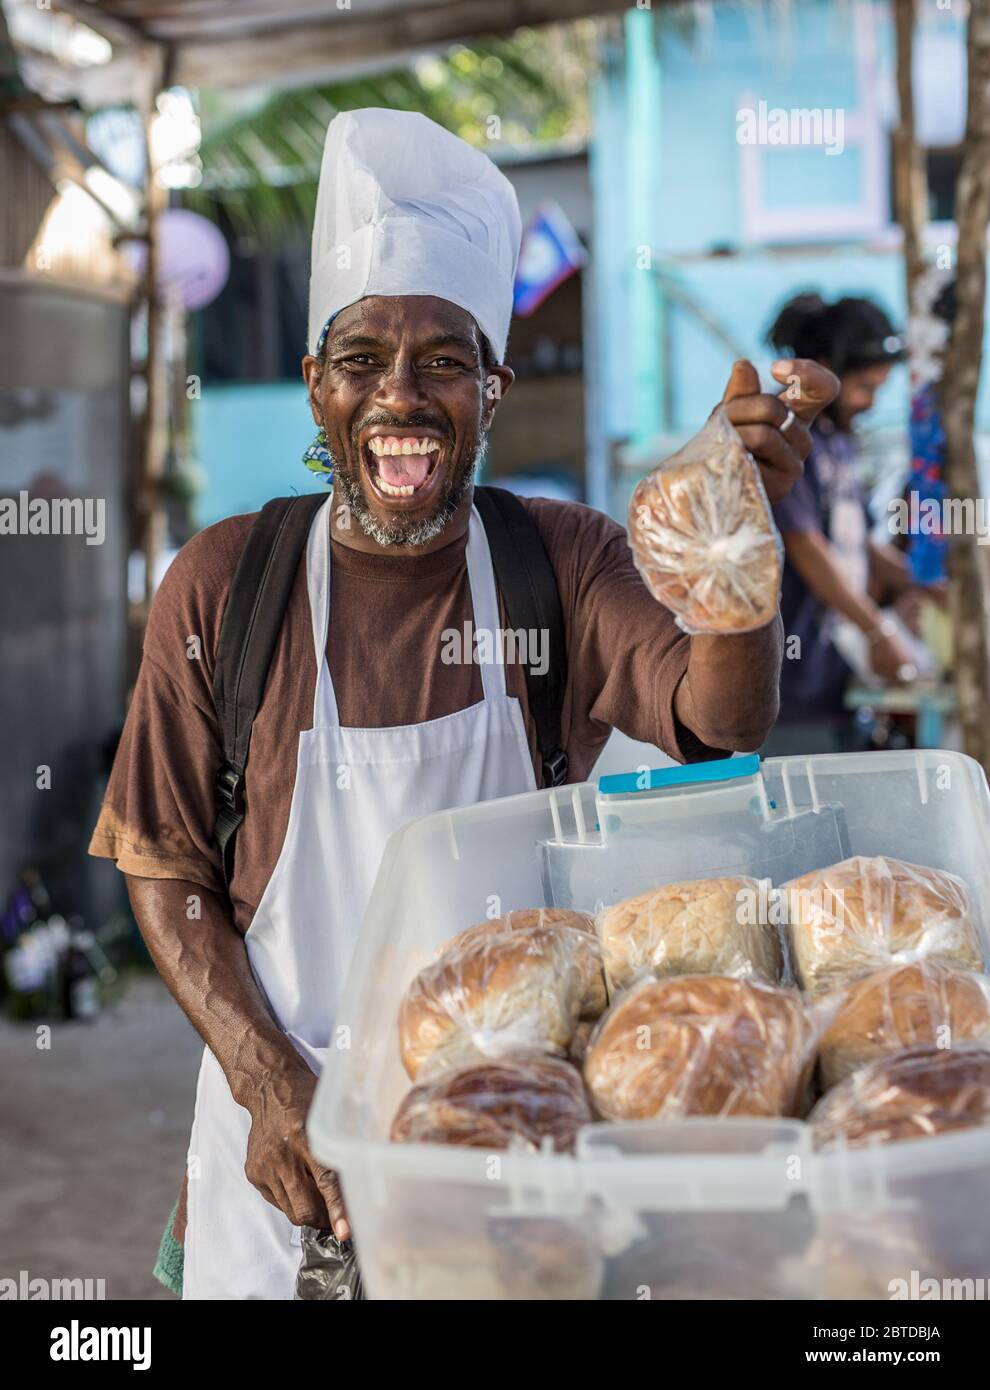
[400, 389]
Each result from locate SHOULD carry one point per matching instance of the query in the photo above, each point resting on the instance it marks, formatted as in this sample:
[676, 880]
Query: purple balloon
[193, 259]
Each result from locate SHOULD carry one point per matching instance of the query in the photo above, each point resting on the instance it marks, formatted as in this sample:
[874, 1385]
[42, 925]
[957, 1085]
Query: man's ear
[312, 370]
[497, 382]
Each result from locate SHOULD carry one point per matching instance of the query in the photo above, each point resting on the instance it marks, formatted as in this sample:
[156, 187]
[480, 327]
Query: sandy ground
[93, 1139]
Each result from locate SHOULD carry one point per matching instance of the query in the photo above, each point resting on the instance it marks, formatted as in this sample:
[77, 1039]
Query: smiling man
[364, 724]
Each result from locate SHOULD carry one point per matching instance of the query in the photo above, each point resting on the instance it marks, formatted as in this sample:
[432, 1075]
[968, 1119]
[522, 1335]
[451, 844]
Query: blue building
[734, 165]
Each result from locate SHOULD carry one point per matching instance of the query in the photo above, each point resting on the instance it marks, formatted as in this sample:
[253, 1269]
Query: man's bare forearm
[729, 695]
[203, 961]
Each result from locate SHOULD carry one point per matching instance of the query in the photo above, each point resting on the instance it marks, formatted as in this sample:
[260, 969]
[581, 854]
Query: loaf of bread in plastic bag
[859, 916]
[455, 1249]
[926, 1003]
[519, 1102]
[500, 993]
[701, 1045]
[912, 1094]
[596, 999]
[697, 927]
[703, 537]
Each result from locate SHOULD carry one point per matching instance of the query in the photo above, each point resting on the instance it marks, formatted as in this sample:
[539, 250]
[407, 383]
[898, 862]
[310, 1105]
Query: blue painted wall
[797, 56]
[250, 440]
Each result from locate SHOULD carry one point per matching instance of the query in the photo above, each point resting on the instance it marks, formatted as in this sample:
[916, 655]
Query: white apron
[353, 788]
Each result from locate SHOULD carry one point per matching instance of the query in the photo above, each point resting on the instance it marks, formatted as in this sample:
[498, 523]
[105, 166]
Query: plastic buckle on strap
[555, 768]
[230, 789]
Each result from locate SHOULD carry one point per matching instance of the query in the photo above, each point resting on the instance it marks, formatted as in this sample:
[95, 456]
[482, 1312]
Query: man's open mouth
[403, 467]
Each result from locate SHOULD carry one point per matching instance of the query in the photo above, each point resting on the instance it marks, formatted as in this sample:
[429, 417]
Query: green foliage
[261, 157]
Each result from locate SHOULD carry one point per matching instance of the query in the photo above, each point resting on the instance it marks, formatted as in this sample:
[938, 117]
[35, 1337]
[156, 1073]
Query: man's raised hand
[758, 416]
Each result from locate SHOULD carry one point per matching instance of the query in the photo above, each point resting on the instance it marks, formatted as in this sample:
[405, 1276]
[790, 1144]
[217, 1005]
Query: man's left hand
[778, 447]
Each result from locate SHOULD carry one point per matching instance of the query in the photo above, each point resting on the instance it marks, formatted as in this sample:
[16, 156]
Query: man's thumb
[329, 1185]
[744, 381]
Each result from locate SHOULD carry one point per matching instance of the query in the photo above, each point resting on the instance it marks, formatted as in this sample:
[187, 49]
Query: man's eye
[444, 362]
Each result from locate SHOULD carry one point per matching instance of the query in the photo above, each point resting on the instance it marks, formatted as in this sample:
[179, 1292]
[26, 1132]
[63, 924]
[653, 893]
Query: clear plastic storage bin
[686, 1209]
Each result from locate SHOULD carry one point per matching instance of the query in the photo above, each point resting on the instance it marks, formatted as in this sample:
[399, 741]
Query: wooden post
[969, 562]
[910, 174]
[150, 513]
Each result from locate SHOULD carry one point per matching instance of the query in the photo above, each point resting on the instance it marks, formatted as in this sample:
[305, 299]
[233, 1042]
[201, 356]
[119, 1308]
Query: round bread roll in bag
[866, 913]
[701, 1045]
[925, 1003]
[499, 993]
[519, 1102]
[565, 918]
[689, 928]
[913, 1094]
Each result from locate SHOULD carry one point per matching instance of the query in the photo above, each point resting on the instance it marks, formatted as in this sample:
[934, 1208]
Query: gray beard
[348, 490]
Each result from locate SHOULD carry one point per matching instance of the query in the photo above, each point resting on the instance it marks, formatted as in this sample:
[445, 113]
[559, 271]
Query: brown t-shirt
[625, 656]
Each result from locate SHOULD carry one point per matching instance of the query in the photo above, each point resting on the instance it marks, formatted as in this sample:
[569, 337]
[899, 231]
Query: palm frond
[261, 160]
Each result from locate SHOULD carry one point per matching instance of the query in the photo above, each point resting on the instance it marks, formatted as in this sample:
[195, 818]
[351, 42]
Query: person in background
[833, 570]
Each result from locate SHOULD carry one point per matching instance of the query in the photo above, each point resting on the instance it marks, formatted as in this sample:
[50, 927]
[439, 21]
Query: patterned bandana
[316, 458]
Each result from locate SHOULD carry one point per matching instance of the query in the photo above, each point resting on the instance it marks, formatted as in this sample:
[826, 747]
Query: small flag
[550, 252]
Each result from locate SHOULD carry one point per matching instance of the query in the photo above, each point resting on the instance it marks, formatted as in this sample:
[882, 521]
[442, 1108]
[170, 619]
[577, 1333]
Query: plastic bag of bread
[909, 1095]
[719, 1254]
[518, 1102]
[545, 1258]
[703, 537]
[499, 993]
[926, 1003]
[866, 913]
[699, 927]
[857, 1256]
[701, 1045]
[596, 999]
[464, 1254]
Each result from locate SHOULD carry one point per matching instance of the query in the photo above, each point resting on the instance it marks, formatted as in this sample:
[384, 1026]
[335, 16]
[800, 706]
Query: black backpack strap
[252, 619]
[532, 601]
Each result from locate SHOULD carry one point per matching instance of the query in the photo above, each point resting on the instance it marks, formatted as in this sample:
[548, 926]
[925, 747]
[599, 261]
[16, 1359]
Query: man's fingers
[744, 380]
[306, 1203]
[770, 412]
[779, 442]
[808, 386]
[326, 1181]
[277, 1193]
[780, 467]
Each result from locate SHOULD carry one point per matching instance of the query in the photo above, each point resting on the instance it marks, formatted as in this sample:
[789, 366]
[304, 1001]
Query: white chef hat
[405, 207]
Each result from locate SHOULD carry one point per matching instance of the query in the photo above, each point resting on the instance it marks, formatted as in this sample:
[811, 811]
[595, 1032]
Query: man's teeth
[389, 444]
[406, 491]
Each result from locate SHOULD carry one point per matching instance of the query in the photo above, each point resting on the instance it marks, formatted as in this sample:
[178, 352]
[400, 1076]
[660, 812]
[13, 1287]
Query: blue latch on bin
[717, 770]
